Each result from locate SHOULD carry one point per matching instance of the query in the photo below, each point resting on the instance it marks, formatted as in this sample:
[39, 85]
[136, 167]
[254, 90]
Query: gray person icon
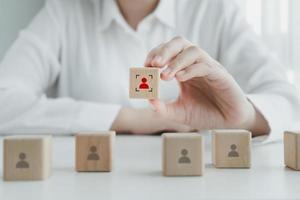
[93, 155]
[233, 152]
[184, 159]
[22, 163]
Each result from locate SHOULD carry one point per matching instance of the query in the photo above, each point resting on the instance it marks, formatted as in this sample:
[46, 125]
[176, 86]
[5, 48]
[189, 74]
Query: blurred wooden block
[144, 83]
[231, 148]
[292, 150]
[94, 151]
[182, 154]
[27, 157]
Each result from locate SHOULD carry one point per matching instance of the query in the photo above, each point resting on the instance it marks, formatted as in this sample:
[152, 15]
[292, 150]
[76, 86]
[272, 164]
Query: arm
[30, 67]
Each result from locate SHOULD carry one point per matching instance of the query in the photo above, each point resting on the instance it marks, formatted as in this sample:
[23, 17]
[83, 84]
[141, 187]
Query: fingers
[164, 53]
[184, 61]
[193, 71]
[187, 57]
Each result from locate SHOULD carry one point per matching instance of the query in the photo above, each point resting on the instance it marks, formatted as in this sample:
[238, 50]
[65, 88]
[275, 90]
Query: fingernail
[157, 59]
[148, 59]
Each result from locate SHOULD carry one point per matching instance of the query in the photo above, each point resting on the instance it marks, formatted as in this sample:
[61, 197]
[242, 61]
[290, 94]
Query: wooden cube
[94, 151]
[27, 157]
[182, 154]
[144, 83]
[292, 149]
[231, 148]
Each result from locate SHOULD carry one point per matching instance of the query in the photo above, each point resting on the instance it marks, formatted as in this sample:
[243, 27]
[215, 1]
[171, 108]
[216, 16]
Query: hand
[145, 121]
[209, 98]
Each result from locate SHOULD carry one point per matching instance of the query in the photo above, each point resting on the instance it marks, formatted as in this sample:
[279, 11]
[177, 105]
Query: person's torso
[96, 55]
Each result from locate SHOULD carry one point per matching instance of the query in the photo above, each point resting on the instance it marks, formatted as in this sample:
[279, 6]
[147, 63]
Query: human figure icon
[184, 159]
[93, 155]
[22, 164]
[144, 84]
[233, 152]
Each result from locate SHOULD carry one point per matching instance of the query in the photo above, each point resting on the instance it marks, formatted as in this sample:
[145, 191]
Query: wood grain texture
[231, 148]
[151, 89]
[94, 151]
[27, 157]
[291, 142]
[182, 154]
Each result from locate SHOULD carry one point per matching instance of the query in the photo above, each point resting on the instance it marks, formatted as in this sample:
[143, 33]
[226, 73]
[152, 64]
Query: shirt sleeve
[31, 67]
[258, 72]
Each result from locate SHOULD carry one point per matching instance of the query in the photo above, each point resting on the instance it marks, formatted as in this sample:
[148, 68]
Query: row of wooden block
[183, 153]
[29, 157]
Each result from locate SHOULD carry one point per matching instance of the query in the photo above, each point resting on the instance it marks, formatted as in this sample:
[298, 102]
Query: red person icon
[144, 84]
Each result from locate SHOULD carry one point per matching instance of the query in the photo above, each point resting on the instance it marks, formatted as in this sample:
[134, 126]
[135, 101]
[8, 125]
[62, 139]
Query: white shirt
[69, 69]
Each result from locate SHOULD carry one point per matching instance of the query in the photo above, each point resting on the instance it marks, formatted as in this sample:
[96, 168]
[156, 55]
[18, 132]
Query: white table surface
[137, 175]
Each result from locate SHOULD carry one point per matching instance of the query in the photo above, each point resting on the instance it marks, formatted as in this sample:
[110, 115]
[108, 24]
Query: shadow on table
[209, 166]
[287, 169]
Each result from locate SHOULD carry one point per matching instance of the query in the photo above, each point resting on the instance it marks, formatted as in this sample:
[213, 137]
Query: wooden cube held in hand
[231, 148]
[27, 157]
[144, 83]
[182, 154]
[292, 150]
[94, 151]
